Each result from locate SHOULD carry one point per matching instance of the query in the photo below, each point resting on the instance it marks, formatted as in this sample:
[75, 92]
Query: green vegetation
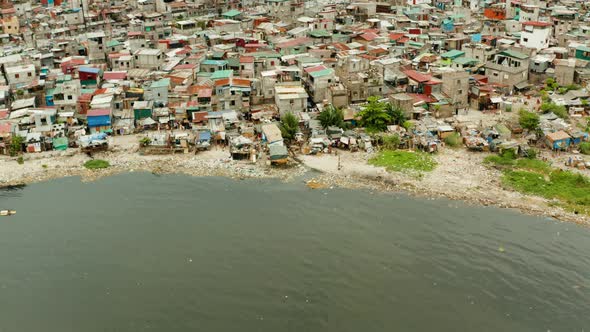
[396, 114]
[397, 161]
[551, 84]
[536, 177]
[289, 126]
[508, 109]
[559, 110]
[408, 125]
[145, 141]
[331, 116]
[374, 117]
[571, 189]
[528, 120]
[96, 164]
[454, 140]
[44, 166]
[391, 142]
[585, 147]
[504, 159]
[16, 145]
[20, 160]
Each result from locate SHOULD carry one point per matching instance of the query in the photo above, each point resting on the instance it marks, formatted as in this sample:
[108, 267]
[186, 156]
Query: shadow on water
[12, 190]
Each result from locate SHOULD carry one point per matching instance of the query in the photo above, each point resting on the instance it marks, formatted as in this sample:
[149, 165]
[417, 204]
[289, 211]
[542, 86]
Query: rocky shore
[458, 176]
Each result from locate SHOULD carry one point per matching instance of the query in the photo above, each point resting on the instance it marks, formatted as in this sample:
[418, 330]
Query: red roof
[246, 59]
[199, 116]
[294, 42]
[416, 76]
[421, 97]
[5, 127]
[314, 68]
[537, 24]
[99, 112]
[134, 33]
[369, 36]
[396, 36]
[3, 114]
[115, 75]
[205, 93]
[403, 40]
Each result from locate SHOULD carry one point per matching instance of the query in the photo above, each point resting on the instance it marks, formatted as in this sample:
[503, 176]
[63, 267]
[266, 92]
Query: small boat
[7, 212]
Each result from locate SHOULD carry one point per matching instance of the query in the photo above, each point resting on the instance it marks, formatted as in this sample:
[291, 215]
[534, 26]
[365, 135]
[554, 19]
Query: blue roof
[99, 121]
[89, 70]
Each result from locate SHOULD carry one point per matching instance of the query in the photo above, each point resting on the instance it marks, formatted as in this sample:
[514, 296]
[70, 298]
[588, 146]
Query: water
[140, 252]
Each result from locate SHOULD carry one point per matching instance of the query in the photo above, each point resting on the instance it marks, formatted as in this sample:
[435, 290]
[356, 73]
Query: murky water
[139, 252]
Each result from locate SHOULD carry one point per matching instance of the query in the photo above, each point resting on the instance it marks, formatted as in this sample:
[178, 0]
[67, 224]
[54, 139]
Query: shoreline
[457, 179]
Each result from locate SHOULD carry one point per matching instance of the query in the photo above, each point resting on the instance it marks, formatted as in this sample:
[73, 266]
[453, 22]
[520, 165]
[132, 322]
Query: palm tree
[374, 117]
[396, 113]
[289, 126]
[331, 116]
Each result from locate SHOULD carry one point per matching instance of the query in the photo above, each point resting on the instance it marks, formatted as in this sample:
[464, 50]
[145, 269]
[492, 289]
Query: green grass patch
[533, 165]
[503, 160]
[573, 190]
[96, 164]
[398, 161]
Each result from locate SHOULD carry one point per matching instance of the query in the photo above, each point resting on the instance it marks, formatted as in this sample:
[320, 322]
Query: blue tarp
[99, 121]
[205, 136]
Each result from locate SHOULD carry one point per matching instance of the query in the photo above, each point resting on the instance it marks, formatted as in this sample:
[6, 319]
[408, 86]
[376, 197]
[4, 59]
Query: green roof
[465, 61]
[583, 48]
[319, 33]
[416, 44]
[452, 54]
[320, 73]
[87, 91]
[165, 82]
[214, 62]
[231, 13]
[221, 74]
[113, 43]
[514, 54]
[308, 59]
[233, 62]
[218, 55]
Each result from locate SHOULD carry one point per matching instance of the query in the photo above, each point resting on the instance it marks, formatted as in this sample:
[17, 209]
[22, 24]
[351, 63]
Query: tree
[551, 84]
[289, 126]
[16, 145]
[374, 117]
[528, 120]
[331, 116]
[396, 113]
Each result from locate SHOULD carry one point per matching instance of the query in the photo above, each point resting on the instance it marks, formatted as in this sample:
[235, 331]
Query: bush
[96, 164]
[20, 160]
[559, 110]
[145, 141]
[585, 147]
[453, 140]
[391, 142]
[508, 109]
[528, 120]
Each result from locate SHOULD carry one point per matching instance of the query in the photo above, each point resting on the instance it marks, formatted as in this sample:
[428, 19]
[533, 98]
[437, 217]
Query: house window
[458, 81]
[29, 74]
[460, 92]
[70, 97]
[16, 75]
[232, 103]
[526, 40]
[272, 63]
